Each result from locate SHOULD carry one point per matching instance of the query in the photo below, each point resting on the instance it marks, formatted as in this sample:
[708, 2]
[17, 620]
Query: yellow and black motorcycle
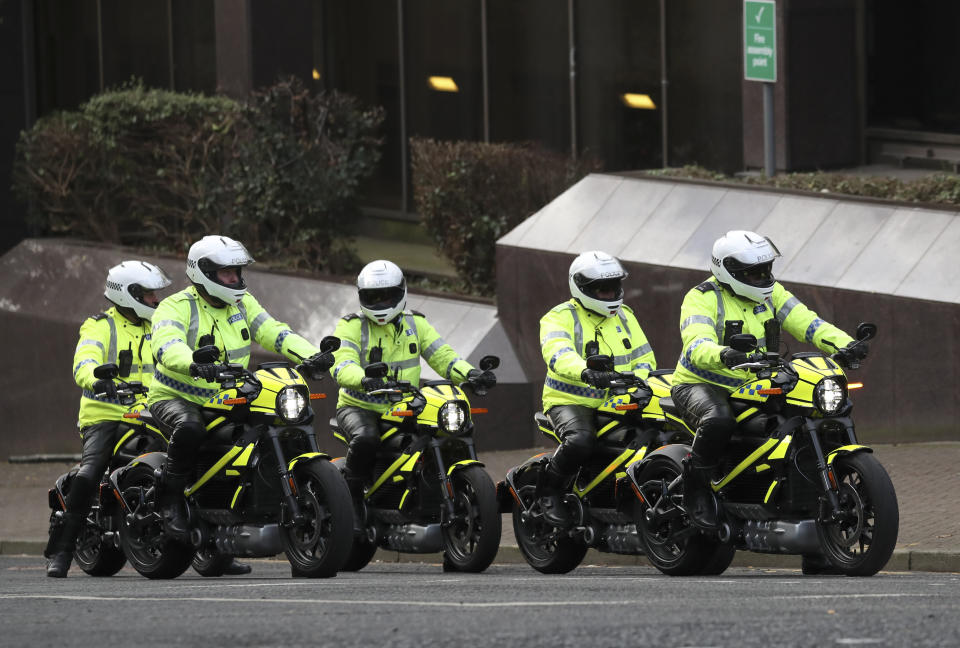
[98, 550]
[429, 492]
[262, 486]
[630, 424]
[794, 478]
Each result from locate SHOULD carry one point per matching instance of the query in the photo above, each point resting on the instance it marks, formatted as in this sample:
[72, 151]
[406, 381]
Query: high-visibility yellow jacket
[564, 333]
[703, 315]
[102, 338]
[184, 318]
[403, 341]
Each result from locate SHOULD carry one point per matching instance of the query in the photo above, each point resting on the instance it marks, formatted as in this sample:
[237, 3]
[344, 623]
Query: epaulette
[706, 286]
[350, 316]
[413, 312]
[98, 317]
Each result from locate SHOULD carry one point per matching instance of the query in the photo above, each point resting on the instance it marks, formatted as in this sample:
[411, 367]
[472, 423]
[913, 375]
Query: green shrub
[469, 194]
[934, 189]
[158, 169]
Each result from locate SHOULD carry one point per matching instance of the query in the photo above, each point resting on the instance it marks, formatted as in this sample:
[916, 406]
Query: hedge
[158, 170]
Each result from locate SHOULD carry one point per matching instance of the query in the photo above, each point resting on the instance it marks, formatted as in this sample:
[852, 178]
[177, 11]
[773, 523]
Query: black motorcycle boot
[237, 568]
[698, 499]
[554, 487]
[63, 544]
[173, 507]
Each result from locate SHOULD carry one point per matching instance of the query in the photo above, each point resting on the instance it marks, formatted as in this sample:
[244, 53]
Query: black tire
[144, 543]
[96, 557]
[544, 547]
[360, 556]
[718, 563]
[472, 539]
[862, 542]
[688, 555]
[211, 563]
[320, 546]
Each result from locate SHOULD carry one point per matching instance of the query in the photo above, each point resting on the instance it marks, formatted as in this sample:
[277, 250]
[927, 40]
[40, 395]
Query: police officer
[742, 293]
[572, 392]
[218, 310]
[383, 331]
[120, 335]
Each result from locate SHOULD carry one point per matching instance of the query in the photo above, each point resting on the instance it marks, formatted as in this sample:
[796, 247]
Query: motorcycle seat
[543, 421]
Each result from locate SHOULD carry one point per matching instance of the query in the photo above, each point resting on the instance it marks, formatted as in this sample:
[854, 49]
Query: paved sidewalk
[926, 476]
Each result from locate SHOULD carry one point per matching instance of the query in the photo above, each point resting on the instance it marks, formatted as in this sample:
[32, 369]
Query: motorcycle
[794, 478]
[429, 492]
[98, 550]
[629, 423]
[262, 486]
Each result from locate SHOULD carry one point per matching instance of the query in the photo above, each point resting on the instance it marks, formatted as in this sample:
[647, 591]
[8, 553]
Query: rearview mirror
[489, 363]
[743, 342]
[376, 370]
[106, 372]
[329, 344]
[206, 354]
[866, 330]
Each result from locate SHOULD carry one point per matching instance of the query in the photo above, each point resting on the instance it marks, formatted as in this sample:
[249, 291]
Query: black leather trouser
[576, 426]
[706, 409]
[361, 428]
[98, 442]
[185, 421]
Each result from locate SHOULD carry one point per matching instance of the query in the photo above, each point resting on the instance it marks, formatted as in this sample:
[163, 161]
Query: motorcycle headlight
[829, 396]
[451, 418]
[291, 405]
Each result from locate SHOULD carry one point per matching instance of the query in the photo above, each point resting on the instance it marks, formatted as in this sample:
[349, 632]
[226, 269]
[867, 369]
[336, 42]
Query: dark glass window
[135, 42]
[356, 51]
[529, 72]
[194, 46]
[67, 67]
[618, 54]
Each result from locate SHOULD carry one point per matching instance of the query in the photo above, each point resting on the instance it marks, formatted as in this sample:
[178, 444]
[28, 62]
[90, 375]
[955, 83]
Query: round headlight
[829, 396]
[290, 404]
[451, 418]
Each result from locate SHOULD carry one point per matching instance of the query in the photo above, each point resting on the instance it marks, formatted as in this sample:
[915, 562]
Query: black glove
[731, 357]
[208, 370]
[599, 379]
[319, 362]
[856, 350]
[370, 384]
[485, 379]
[106, 388]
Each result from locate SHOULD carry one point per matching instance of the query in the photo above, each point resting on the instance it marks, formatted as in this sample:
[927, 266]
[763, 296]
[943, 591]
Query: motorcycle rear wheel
[96, 557]
[544, 547]
[149, 551]
[320, 545]
[472, 539]
[862, 542]
[689, 555]
[360, 556]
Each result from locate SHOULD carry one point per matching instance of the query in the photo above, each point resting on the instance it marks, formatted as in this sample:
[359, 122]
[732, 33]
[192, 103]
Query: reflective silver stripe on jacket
[336, 370]
[623, 320]
[721, 311]
[409, 363]
[96, 343]
[434, 346]
[786, 308]
[194, 322]
[412, 324]
[166, 345]
[555, 334]
[163, 323]
[633, 355]
[112, 349]
[698, 319]
[577, 330]
[556, 356]
[236, 354]
[147, 368]
[364, 338]
[81, 364]
[257, 322]
[352, 345]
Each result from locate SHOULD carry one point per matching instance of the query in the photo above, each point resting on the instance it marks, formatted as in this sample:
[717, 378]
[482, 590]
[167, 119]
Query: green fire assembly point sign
[760, 40]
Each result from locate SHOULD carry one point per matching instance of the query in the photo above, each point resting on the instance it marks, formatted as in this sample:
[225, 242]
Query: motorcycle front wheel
[545, 547]
[94, 555]
[472, 538]
[670, 542]
[862, 540]
[319, 545]
[142, 536]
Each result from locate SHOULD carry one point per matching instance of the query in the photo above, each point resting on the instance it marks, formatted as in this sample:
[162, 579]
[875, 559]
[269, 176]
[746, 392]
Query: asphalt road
[418, 605]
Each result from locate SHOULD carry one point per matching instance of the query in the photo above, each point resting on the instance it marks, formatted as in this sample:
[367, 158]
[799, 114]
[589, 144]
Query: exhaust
[781, 536]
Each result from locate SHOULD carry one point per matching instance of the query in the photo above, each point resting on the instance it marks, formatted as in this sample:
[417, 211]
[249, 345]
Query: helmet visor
[607, 289]
[377, 299]
[758, 275]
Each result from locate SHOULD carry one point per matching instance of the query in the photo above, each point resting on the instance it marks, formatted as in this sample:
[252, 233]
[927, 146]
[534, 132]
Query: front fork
[446, 490]
[828, 480]
[288, 485]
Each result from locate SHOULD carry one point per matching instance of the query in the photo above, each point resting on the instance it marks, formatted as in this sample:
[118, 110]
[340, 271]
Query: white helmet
[211, 253]
[382, 290]
[596, 281]
[127, 283]
[744, 261]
